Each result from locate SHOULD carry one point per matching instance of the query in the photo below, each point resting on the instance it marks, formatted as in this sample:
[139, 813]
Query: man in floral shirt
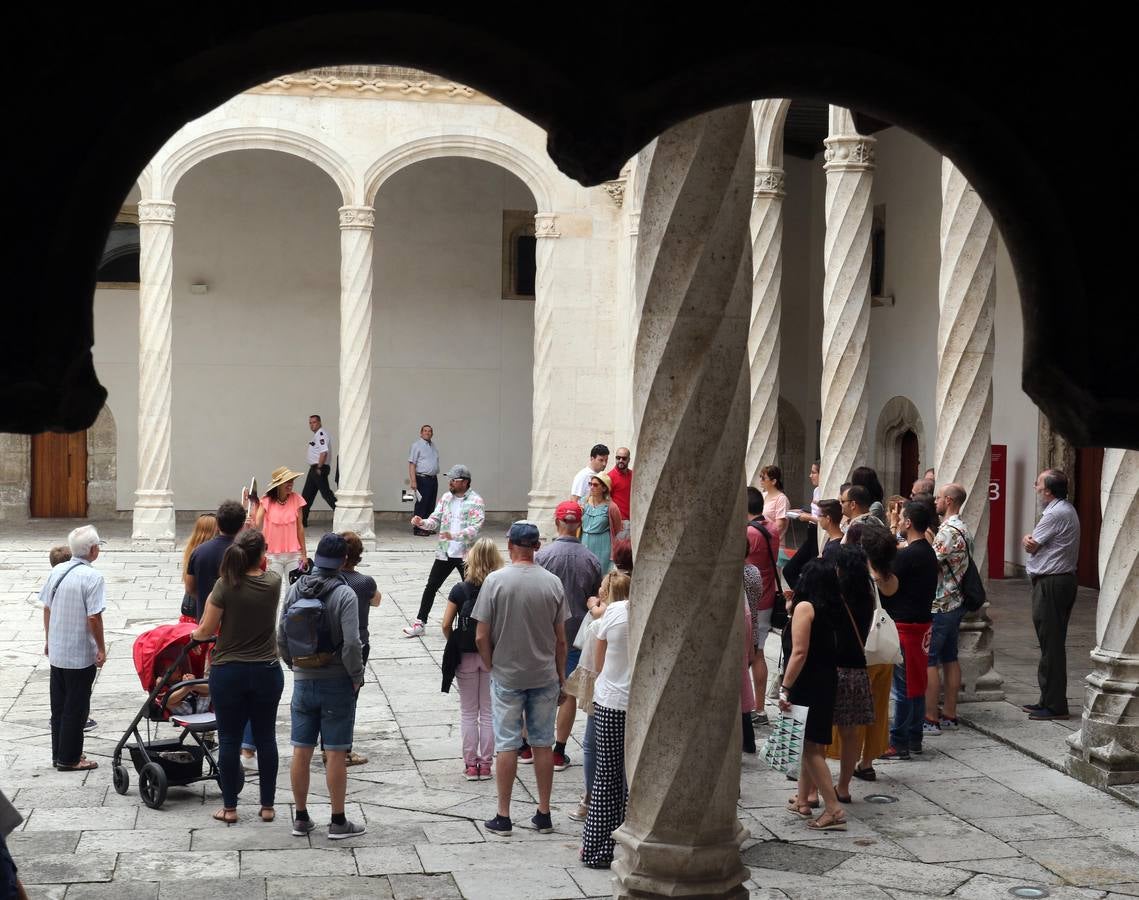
[953, 546]
[458, 518]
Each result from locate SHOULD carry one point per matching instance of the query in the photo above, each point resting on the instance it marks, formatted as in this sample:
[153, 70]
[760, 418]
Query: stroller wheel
[122, 779]
[152, 785]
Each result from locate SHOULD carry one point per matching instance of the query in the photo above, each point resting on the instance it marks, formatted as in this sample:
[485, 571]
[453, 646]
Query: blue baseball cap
[330, 552]
[524, 534]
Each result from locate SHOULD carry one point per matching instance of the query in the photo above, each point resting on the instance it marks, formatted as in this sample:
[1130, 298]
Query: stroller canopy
[150, 645]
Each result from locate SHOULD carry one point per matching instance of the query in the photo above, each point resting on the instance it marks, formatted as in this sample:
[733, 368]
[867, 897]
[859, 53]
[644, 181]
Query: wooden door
[908, 466]
[1089, 468]
[59, 475]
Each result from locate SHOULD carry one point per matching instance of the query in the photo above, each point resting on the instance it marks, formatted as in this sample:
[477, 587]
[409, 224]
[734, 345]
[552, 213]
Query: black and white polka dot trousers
[609, 794]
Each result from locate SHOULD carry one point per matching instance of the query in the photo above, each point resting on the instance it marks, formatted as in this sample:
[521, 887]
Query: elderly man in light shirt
[74, 600]
[1053, 552]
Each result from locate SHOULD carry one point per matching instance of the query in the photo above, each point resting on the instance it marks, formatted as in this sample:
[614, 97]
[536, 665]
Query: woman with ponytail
[245, 674]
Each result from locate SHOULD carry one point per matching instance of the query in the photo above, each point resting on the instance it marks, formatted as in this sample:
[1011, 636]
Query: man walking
[598, 459]
[521, 635]
[205, 562]
[1053, 550]
[621, 478]
[423, 474]
[458, 518]
[319, 640]
[319, 456]
[74, 598]
[953, 546]
[580, 574]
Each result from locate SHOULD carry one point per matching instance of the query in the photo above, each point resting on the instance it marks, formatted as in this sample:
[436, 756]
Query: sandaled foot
[268, 814]
[828, 821]
[802, 811]
[813, 804]
[229, 816]
[843, 798]
[84, 765]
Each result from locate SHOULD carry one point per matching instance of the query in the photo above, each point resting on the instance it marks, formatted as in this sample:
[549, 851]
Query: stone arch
[899, 415]
[769, 117]
[102, 465]
[226, 140]
[433, 146]
[792, 451]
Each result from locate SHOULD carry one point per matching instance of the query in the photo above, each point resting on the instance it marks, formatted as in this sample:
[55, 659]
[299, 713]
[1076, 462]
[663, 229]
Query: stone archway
[898, 416]
[792, 448]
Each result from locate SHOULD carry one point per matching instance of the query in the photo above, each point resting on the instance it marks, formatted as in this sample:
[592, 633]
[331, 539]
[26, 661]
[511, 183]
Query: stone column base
[541, 512]
[355, 511]
[153, 518]
[980, 682]
[679, 870]
[1105, 750]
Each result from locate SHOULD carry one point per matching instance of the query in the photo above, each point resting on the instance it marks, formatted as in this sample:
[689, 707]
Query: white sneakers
[415, 629]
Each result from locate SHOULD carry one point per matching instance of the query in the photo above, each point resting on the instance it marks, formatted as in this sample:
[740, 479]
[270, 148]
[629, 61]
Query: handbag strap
[968, 557]
[64, 574]
[759, 525]
[854, 625]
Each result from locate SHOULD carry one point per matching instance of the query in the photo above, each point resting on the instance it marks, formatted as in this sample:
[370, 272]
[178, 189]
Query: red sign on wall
[997, 465]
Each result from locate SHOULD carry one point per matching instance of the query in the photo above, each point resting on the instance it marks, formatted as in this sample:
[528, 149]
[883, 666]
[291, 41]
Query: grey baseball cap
[459, 471]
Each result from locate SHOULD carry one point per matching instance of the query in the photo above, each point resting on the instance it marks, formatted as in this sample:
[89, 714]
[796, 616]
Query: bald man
[953, 545]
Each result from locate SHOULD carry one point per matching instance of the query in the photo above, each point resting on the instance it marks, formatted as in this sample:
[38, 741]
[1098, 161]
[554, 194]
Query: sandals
[844, 798]
[267, 814]
[229, 816]
[867, 774]
[84, 765]
[794, 799]
[793, 807]
[828, 822]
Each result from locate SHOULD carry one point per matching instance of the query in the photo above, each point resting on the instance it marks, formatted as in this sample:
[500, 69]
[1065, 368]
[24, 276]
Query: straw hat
[280, 476]
[604, 479]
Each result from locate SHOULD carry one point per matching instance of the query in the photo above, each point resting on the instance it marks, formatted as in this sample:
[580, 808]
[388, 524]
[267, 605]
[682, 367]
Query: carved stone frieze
[546, 225]
[357, 217]
[156, 212]
[849, 152]
[769, 183]
[385, 82]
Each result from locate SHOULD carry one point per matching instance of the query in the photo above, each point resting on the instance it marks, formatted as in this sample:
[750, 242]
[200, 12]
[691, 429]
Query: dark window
[525, 264]
[120, 255]
[878, 253]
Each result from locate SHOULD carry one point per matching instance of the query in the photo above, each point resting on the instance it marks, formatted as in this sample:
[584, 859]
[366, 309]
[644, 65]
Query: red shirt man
[622, 478]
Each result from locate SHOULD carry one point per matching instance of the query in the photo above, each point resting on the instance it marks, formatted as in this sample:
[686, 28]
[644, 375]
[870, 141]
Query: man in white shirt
[73, 599]
[318, 455]
[598, 460]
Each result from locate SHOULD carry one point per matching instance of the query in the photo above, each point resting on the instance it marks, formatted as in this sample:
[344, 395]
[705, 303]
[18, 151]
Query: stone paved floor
[972, 819]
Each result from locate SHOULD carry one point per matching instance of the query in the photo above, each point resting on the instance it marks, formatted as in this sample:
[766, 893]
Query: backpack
[969, 584]
[308, 630]
[465, 626]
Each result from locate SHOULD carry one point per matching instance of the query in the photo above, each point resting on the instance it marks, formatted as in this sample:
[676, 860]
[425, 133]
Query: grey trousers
[1053, 597]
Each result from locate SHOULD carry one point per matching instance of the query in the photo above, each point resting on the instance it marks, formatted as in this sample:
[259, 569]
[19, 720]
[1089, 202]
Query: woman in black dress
[811, 680]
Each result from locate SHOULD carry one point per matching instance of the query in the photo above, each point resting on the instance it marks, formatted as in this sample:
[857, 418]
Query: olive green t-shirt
[248, 619]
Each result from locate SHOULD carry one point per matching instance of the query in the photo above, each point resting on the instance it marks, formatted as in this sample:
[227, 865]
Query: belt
[426, 474]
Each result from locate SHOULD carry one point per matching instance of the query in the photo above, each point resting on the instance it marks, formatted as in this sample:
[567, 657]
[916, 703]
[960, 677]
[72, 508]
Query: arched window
[519, 255]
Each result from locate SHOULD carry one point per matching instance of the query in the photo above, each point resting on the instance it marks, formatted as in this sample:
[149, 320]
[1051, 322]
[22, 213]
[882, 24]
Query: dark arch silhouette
[1018, 106]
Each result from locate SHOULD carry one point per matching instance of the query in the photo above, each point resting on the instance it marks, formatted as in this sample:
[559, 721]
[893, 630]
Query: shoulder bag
[881, 646]
[779, 617]
[969, 585]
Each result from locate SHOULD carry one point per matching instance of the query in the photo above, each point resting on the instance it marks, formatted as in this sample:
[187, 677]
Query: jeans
[70, 705]
[247, 692]
[440, 569]
[537, 706]
[589, 753]
[909, 714]
[323, 708]
[283, 564]
[316, 480]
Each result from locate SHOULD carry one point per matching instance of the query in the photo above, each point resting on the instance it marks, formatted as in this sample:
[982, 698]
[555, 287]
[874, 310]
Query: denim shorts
[573, 657]
[538, 705]
[323, 707]
[943, 638]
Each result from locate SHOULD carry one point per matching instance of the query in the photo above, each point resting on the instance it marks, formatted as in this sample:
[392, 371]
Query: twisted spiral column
[846, 300]
[545, 493]
[964, 399]
[764, 330]
[355, 510]
[1106, 748]
[153, 518]
[681, 836]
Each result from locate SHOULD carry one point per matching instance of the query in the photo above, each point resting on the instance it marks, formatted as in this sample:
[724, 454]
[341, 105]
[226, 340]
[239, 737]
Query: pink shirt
[774, 509]
[280, 523]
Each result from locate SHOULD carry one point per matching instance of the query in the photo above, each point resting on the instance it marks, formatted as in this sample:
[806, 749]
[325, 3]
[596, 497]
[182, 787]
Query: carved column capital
[546, 225]
[359, 217]
[769, 183]
[849, 152]
[616, 190]
[156, 212]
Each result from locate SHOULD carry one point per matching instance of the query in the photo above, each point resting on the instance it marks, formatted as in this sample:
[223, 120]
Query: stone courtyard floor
[973, 818]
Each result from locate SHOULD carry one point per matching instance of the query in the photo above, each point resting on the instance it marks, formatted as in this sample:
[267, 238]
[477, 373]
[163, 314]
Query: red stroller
[158, 654]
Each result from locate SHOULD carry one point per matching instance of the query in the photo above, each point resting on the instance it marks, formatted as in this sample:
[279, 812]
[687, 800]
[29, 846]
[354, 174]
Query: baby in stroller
[184, 701]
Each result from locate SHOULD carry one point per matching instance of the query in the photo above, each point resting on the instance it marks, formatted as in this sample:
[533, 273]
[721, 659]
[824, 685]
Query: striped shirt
[1058, 534]
[81, 594]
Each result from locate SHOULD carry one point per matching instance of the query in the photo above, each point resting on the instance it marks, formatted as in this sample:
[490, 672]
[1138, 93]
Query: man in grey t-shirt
[521, 613]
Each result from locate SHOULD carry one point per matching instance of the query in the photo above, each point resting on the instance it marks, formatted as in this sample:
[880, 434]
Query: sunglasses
[622, 457]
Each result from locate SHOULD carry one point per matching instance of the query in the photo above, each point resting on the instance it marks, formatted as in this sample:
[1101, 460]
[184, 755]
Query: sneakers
[89, 724]
[355, 759]
[484, 773]
[542, 822]
[930, 729]
[894, 753]
[415, 629]
[581, 813]
[471, 773]
[526, 755]
[500, 825]
[347, 830]
[561, 761]
[948, 724]
[759, 718]
[302, 827]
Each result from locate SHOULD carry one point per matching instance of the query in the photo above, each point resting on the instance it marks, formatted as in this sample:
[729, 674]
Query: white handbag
[882, 644]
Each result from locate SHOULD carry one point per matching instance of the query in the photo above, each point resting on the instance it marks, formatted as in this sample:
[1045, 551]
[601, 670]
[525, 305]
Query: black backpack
[465, 626]
[970, 585]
